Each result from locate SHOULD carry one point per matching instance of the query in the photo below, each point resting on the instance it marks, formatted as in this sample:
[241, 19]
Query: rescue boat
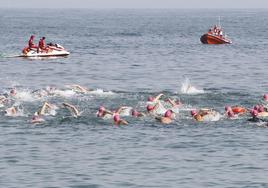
[210, 38]
[215, 36]
[53, 50]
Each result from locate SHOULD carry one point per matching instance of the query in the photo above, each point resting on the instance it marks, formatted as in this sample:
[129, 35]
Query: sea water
[126, 56]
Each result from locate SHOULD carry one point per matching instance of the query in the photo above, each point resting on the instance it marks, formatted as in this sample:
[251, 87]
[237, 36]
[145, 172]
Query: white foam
[64, 93]
[24, 95]
[212, 117]
[101, 92]
[126, 111]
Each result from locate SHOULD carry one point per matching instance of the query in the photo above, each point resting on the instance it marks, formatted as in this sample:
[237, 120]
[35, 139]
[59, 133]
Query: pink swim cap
[168, 113]
[193, 112]
[228, 108]
[254, 113]
[116, 118]
[101, 108]
[151, 99]
[230, 114]
[13, 91]
[265, 97]
[135, 113]
[261, 109]
[178, 102]
[150, 108]
[100, 111]
[35, 117]
[256, 107]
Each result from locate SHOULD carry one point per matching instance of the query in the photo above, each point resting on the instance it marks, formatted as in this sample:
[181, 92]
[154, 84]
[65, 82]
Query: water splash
[187, 88]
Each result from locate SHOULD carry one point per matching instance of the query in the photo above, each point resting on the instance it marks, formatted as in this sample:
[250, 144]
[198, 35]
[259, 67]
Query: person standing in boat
[215, 30]
[221, 33]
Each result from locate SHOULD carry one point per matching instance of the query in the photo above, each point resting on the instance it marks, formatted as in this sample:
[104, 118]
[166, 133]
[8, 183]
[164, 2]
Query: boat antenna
[219, 21]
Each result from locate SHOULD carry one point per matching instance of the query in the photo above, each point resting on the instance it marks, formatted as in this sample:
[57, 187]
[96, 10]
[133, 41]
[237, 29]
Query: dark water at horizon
[133, 54]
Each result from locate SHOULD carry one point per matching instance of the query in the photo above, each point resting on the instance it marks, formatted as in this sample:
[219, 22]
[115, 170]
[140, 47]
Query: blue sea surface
[126, 56]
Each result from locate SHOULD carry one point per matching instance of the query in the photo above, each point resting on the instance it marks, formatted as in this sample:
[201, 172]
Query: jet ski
[52, 50]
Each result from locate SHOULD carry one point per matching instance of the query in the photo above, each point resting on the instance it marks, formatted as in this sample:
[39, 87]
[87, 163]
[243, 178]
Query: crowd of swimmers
[161, 108]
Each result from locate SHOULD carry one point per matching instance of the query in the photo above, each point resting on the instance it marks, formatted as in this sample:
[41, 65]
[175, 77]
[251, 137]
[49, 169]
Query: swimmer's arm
[109, 112]
[123, 122]
[73, 108]
[43, 109]
[82, 89]
[48, 105]
[158, 97]
[120, 109]
[171, 102]
[142, 114]
[157, 105]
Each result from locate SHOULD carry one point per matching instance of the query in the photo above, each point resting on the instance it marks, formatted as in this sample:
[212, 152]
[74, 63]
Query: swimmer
[264, 100]
[155, 99]
[156, 109]
[151, 108]
[75, 113]
[167, 118]
[205, 115]
[255, 116]
[79, 89]
[124, 111]
[235, 111]
[13, 92]
[136, 113]
[265, 97]
[174, 102]
[50, 90]
[36, 119]
[12, 111]
[104, 113]
[119, 121]
[260, 108]
[262, 112]
[3, 100]
[47, 109]
[175, 105]
[39, 93]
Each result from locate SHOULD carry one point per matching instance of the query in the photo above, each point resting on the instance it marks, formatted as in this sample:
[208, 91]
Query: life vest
[25, 50]
[238, 110]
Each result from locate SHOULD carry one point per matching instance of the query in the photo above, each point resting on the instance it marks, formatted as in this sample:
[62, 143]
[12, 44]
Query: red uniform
[31, 43]
[42, 44]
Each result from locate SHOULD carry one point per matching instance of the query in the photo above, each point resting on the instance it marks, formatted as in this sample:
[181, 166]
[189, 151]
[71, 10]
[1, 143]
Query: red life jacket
[30, 43]
[42, 44]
